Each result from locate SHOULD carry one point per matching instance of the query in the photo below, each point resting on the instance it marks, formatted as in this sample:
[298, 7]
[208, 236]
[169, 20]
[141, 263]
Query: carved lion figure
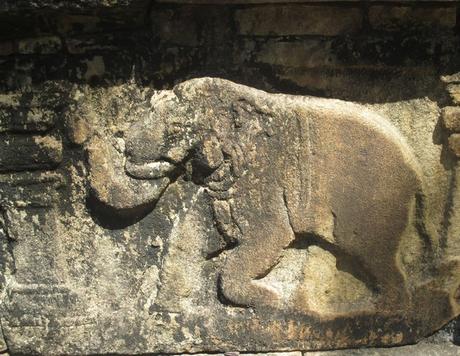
[281, 169]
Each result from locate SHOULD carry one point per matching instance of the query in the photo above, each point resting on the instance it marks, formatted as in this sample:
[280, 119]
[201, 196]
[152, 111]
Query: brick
[454, 92]
[283, 20]
[178, 27]
[18, 119]
[90, 44]
[454, 143]
[226, 2]
[306, 54]
[21, 152]
[393, 17]
[40, 45]
[243, 2]
[357, 83]
[32, 189]
[28, 112]
[451, 118]
[451, 78]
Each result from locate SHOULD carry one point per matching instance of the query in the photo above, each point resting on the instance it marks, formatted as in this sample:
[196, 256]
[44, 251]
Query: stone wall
[73, 278]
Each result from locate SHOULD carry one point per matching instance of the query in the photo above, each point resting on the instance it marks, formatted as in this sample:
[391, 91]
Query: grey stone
[422, 349]
[454, 144]
[29, 152]
[18, 115]
[393, 17]
[283, 20]
[451, 117]
[41, 45]
[141, 230]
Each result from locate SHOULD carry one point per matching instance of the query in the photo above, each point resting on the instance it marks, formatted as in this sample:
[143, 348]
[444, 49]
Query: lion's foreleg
[259, 251]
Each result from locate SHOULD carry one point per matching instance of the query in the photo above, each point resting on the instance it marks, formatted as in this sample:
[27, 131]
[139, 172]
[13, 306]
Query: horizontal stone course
[39, 45]
[223, 2]
[308, 54]
[21, 5]
[393, 17]
[31, 119]
[454, 92]
[25, 113]
[24, 152]
[284, 20]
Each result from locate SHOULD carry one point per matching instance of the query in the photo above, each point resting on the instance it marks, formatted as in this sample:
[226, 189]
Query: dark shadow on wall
[368, 66]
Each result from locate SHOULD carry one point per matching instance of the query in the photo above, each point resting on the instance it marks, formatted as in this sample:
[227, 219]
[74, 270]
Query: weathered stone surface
[454, 91]
[16, 5]
[451, 116]
[451, 78]
[454, 144]
[416, 350]
[393, 17]
[222, 2]
[149, 233]
[29, 152]
[245, 196]
[285, 20]
[41, 45]
[17, 114]
[212, 165]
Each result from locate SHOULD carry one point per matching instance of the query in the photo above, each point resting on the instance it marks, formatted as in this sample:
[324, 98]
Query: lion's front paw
[264, 296]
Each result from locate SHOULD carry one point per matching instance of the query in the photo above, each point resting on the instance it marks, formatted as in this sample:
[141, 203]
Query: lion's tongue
[151, 170]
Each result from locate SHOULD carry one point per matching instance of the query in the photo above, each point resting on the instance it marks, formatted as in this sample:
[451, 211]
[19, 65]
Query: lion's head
[173, 133]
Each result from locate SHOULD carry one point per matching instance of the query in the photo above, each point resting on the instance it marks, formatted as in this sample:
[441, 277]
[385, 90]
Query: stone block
[21, 152]
[46, 5]
[395, 17]
[40, 45]
[454, 144]
[32, 189]
[105, 42]
[244, 2]
[451, 118]
[451, 78]
[18, 115]
[177, 27]
[304, 54]
[454, 92]
[284, 20]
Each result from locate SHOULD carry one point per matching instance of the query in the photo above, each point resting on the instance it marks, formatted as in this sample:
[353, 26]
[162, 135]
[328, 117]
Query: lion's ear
[210, 154]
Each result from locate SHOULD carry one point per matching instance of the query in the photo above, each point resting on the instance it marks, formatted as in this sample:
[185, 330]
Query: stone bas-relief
[279, 171]
[215, 217]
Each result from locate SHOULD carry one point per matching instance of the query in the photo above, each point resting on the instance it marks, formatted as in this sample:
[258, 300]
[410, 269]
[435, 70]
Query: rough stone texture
[298, 20]
[418, 350]
[454, 91]
[451, 116]
[29, 153]
[454, 144]
[391, 17]
[142, 212]
[21, 5]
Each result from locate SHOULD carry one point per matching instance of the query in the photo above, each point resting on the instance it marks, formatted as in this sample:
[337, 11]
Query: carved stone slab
[215, 216]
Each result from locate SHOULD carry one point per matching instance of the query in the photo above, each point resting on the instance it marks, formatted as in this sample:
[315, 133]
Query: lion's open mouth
[150, 170]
